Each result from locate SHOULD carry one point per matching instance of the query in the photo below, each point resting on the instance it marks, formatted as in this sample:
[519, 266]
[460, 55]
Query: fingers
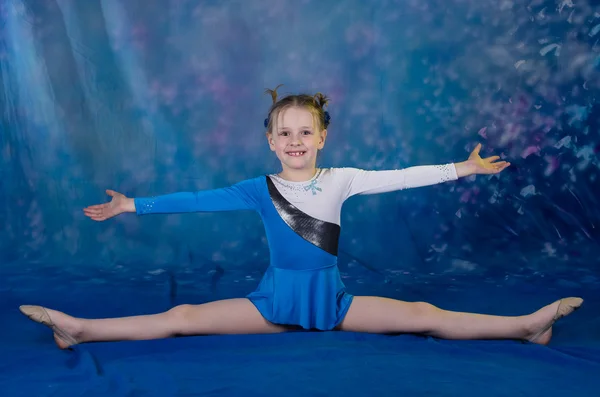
[98, 218]
[95, 215]
[112, 193]
[494, 168]
[98, 212]
[92, 211]
[97, 207]
[499, 167]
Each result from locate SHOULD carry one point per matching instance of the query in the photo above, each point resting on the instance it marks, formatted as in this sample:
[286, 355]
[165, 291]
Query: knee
[427, 316]
[425, 309]
[178, 319]
[180, 312]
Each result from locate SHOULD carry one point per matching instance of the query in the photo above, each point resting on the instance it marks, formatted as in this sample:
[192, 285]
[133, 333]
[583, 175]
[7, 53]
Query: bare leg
[383, 315]
[231, 316]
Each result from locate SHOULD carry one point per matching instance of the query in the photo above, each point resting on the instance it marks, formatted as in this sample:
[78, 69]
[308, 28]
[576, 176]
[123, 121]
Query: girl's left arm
[371, 182]
[360, 181]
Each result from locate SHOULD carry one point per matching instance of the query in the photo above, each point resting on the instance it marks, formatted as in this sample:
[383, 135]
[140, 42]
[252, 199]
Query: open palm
[488, 165]
[101, 212]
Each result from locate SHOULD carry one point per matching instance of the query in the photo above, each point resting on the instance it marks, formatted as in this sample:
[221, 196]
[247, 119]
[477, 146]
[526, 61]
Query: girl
[301, 289]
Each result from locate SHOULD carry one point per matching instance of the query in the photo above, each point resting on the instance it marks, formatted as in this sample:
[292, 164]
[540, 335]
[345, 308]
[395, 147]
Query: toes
[36, 313]
[568, 306]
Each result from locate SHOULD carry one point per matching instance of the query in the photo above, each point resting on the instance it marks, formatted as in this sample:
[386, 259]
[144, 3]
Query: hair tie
[327, 119]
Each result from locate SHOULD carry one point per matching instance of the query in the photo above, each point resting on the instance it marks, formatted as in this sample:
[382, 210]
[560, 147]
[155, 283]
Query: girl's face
[295, 140]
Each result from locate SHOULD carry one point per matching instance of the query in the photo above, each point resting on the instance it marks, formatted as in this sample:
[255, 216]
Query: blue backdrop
[153, 97]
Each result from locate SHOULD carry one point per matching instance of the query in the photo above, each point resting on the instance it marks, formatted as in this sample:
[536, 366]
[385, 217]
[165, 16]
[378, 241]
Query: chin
[296, 166]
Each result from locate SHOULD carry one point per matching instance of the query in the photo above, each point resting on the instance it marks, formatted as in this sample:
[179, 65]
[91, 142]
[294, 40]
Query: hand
[476, 165]
[116, 206]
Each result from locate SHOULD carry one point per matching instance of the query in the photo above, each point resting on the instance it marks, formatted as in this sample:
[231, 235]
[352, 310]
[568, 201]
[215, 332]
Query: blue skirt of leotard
[311, 299]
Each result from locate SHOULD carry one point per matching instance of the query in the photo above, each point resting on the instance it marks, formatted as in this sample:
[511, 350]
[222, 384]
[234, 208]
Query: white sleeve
[358, 181]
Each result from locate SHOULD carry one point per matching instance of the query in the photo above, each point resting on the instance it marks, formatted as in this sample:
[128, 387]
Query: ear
[270, 141]
[322, 141]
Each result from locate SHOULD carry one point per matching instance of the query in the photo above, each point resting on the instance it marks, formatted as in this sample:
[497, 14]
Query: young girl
[301, 289]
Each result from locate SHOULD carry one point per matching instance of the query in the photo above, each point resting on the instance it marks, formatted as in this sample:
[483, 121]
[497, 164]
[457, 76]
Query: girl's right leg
[231, 316]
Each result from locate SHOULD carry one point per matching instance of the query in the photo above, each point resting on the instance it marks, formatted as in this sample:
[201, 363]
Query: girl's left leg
[383, 315]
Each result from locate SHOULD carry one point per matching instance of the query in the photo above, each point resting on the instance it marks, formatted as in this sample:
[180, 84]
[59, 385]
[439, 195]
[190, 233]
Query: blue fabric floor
[299, 363]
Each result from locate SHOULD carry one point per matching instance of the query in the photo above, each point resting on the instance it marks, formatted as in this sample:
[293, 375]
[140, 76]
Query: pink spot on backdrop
[529, 151]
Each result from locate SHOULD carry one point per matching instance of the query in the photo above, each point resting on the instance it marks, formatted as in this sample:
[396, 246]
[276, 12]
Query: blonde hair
[313, 103]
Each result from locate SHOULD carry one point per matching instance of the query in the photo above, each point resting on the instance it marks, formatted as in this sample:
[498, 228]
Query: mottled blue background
[153, 97]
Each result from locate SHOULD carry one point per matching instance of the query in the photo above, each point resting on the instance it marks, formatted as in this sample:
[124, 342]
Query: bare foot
[67, 329]
[540, 326]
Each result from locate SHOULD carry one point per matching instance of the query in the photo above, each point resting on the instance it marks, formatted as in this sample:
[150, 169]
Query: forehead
[295, 117]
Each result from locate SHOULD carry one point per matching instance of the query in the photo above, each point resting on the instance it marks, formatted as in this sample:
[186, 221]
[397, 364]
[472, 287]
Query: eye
[307, 132]
[283, 133]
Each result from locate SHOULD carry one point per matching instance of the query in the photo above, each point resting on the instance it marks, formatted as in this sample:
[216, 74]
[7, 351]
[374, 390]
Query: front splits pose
[301, 289]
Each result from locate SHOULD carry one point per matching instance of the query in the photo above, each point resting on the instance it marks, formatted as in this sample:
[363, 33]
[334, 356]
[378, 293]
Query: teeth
[296, 153]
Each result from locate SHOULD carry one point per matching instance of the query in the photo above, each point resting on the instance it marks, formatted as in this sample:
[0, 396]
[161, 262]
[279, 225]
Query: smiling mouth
[296, 154]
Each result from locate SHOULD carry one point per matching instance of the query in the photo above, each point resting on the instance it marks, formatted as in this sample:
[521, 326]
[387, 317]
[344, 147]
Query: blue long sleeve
[241, 196]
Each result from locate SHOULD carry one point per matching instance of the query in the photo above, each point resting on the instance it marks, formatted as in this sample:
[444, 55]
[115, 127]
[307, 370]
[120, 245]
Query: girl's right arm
[235, 197]
[241, 196]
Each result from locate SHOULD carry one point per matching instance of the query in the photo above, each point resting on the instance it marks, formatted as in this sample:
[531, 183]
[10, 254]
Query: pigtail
[273, 93]
[320, 100]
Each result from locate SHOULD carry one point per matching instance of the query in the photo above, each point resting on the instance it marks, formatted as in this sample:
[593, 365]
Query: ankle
[528, 325]
[79, 329]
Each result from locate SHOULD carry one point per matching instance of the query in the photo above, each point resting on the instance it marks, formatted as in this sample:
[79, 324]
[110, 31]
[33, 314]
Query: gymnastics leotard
[302, 284]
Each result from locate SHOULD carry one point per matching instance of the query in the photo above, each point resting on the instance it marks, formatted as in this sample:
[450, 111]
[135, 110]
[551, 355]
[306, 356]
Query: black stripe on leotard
[324, 235]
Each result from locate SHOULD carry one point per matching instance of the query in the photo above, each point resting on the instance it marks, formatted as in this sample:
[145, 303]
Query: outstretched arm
[237, 197]
[372, 182]
[241, 196]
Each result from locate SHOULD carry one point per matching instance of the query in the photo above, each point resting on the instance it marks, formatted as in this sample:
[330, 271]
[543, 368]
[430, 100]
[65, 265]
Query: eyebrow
[287, 128]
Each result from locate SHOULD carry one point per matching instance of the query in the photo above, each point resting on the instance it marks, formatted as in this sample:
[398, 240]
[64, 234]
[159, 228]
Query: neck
[298, 175]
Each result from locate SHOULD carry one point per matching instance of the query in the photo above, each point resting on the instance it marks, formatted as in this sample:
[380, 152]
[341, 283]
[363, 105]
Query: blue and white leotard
[302, 285]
